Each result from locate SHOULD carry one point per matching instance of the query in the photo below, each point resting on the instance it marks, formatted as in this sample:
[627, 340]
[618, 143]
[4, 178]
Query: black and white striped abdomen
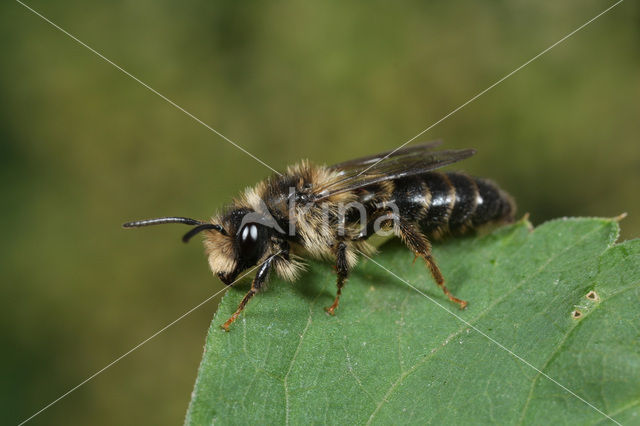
[442, 203]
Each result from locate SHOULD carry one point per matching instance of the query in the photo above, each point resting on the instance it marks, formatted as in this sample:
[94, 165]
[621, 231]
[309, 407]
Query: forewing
[421, 159]
[361, 162]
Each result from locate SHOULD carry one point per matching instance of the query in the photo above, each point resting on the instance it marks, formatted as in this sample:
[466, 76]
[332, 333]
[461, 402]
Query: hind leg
[421, 247]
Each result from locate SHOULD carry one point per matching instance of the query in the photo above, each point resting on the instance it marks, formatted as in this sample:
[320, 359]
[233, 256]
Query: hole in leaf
[576, 314]
[592, 295]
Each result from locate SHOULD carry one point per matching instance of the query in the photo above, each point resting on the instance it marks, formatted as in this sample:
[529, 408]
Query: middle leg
[342, 268]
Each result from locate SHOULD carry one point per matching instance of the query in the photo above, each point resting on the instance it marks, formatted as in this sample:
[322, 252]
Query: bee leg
[256, 285]
[437, 276]
[342, 268]
[420, 245]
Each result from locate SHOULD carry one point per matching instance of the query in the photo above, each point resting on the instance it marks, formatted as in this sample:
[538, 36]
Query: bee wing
[409, 162]
[372, 159]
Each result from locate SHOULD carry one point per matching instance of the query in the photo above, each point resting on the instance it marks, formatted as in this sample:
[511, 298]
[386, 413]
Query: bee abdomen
[465, 200]
[458, 202]
[441, 195]
[492, 205]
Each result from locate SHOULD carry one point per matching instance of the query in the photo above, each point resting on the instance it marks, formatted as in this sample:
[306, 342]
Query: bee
[332, 211]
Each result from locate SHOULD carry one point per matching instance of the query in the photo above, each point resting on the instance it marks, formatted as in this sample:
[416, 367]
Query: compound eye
[249, 241]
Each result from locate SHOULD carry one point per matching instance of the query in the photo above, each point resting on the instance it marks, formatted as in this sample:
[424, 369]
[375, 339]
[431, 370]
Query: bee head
[243, 244]
[233, 243]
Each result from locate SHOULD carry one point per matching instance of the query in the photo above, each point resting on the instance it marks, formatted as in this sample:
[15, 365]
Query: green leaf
[391, 355]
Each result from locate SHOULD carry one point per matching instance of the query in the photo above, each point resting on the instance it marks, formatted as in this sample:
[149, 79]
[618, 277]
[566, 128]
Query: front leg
[342, 268]
[259, 280]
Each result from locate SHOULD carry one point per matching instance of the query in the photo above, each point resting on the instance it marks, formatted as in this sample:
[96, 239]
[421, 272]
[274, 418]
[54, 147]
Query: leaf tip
[620, 217]
[525, 221]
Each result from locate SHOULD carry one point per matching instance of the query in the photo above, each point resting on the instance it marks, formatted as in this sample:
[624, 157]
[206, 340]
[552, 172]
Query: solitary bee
[331, 212]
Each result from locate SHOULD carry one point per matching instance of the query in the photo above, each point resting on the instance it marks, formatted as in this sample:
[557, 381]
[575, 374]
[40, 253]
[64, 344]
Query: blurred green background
[85, 148]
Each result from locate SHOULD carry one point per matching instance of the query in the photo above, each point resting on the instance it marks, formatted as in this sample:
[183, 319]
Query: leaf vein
[474, 321]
